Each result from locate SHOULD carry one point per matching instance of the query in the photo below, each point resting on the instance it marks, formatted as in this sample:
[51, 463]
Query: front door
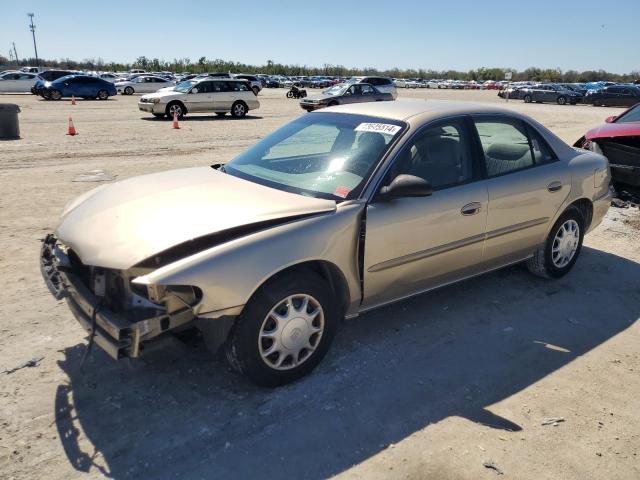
[413, 244]
[526, 184]
[200, 97]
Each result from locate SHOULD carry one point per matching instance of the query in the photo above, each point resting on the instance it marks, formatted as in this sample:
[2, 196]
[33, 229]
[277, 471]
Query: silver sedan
[338, 212]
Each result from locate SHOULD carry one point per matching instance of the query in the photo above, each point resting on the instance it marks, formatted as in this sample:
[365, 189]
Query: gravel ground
[454, 384]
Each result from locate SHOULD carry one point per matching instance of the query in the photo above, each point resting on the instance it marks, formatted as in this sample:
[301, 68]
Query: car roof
[219, 79]
[405, 109]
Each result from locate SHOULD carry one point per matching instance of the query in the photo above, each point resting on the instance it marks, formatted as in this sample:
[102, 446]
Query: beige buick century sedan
[338, 212]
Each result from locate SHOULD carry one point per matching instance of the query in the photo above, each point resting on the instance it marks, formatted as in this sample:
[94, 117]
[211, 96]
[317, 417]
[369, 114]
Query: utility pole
[32, 27]
[15, 52]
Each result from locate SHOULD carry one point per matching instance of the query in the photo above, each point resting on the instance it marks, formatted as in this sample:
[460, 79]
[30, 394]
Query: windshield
[336, 90]
[325, 155]
[183, 87]
[632, 115]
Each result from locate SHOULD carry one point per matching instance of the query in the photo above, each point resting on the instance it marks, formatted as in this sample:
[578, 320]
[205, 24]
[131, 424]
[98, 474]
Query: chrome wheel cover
[565, 243]
[175, 109]
[291, 332]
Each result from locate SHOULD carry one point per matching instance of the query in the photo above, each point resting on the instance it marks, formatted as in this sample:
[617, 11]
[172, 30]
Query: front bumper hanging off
[113, 332]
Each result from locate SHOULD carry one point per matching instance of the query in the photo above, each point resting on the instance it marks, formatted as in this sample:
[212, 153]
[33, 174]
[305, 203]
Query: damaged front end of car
[623, 154]
[119, 315]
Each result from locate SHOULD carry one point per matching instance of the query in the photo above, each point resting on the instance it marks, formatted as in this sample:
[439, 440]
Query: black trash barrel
[9, 126]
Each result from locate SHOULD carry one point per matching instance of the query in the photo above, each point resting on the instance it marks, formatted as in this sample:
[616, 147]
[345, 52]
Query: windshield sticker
[342, 192]
[387, 128]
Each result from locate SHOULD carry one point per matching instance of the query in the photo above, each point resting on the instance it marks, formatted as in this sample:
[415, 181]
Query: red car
[619, 140]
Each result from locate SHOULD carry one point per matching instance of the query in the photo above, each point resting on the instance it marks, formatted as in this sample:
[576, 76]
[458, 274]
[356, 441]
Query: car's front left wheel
[284, 330]
[559, 253]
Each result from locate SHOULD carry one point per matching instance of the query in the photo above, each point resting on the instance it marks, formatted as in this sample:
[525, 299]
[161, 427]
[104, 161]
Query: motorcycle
[296, 91]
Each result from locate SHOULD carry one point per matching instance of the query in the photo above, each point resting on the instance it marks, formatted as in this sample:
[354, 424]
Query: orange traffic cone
[72, 130]
[176, 125]
[73, 99]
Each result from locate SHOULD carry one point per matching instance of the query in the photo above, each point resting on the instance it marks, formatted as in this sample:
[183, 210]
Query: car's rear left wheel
[238, 109]
[563, 245]
[284, 330]
[103, 95]
[527, 99]
[562, 100]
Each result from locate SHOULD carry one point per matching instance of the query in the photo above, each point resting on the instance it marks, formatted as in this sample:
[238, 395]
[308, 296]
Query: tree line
[204, 64]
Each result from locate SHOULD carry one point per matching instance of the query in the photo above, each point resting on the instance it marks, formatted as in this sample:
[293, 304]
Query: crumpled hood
[121, 224]
[607, 130]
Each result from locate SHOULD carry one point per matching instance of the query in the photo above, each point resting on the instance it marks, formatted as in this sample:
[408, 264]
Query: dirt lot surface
[454, 384]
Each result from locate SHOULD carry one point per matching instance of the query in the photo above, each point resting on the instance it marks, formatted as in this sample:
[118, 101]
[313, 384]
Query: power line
[32, 27]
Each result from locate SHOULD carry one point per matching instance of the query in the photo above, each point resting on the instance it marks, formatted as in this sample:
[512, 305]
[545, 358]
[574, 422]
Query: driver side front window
[440, 154]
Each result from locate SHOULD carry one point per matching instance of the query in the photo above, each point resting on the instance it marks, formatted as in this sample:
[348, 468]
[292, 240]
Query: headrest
[507, 151]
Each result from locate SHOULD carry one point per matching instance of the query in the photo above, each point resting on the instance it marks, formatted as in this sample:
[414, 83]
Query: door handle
[471, 208]
[554, 186]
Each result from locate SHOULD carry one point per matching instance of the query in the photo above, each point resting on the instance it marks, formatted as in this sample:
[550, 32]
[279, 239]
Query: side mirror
[611, 119]
[406, 186]
[194, 90]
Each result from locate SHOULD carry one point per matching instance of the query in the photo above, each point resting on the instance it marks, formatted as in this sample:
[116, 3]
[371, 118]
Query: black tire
[177, 107]
[289, 94]
[542, 263]
[128, 90]
[55, 95]
[562, 100]
[242, 346]
[221, 114]
[527, 99]
[103, 95]
[239, 109]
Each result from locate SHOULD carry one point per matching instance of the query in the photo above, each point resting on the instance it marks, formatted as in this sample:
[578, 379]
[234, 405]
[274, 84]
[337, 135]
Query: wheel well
[586, 208]
[330, 273]
[184, 107]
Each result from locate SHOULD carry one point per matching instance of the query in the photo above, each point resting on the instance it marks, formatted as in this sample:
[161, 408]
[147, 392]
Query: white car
[17, 82]
[432, 84]
[110, 77]
[400, 82]
[219, 95]
[143, 84]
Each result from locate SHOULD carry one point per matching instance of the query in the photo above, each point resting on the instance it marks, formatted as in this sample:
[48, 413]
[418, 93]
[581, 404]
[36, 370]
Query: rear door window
[505, 145]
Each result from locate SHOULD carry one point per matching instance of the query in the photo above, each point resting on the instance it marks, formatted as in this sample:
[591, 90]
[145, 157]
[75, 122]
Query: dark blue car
[83, 86]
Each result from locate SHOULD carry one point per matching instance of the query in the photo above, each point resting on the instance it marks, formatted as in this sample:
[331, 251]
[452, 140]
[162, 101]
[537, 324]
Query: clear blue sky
[456, 34]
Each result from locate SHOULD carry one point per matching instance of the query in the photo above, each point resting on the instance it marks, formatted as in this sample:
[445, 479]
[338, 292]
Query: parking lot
[447, 385]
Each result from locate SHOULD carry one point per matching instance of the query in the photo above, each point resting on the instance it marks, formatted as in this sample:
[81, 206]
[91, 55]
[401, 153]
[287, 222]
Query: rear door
[526, 184]
[627, 98]
[413, 244]
[224, 95]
